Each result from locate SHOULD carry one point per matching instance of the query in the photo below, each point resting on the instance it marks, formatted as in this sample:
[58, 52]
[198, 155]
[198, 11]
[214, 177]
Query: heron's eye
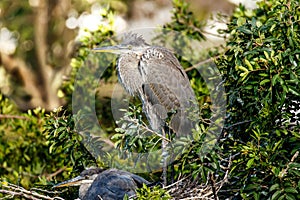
[129, 47]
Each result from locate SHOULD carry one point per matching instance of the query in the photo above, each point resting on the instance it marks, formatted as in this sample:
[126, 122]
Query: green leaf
[276, 195]
[245, 30]
[281, 197]
[264, 74]
[277, 144]
[248, 64]
[250, 162]
[274, 79]
[267, 55]
[117, 136]
[274, 187]
[251, 187]
[293, 91]
[290, 190]
[264, 82]
[272, 27]
[242, 68]
[290, 197]
[241, 21]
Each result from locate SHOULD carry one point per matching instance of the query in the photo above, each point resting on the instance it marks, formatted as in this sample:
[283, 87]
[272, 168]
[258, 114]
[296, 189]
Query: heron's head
[86, 177]
[132, 43]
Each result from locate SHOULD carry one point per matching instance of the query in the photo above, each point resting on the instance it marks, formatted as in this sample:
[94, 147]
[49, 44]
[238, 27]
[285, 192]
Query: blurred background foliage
[43, 54]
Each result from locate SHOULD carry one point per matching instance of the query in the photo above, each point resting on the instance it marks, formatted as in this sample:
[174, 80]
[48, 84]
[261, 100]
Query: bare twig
[213, 186]
[236, 124]
[145, 127]
[3, 116]
[13, 190]
[284, 171]
[49, 177]
[48, 192]
[198, 64]
[187, 189]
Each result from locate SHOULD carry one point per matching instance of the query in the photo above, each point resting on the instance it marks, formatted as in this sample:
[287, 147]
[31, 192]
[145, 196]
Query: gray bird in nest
[100, 184]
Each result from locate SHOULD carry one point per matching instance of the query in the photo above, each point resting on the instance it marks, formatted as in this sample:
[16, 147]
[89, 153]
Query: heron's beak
[73, 182]
[111, 49]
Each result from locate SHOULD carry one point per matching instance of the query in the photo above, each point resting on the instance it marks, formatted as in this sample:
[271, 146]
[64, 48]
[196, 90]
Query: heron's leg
[171, 159]
[171, 156]
[156, 123]
[164, 157]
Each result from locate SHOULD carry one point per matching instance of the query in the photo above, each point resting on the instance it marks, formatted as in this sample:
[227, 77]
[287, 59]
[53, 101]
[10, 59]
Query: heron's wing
[166, 88]
[161, 99]
[112, 184]
[139, 180]
[166, 78]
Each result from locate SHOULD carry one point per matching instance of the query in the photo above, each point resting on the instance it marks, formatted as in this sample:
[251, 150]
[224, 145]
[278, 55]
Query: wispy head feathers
[133, 39]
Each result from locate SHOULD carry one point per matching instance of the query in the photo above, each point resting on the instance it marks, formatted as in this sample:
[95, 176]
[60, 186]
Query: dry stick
[213, 186]
[15, 190]
[225, 179]
[173, 184]
[3, 116]
[198, 64]
[236, 124]
[13, 194]
[188, 190]
[284, 171]
[163, 137]
[49, 192]
[49, 177]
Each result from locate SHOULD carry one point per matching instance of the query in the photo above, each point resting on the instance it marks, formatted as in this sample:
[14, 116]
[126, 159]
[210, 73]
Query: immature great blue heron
[111, 184]
[155, 75]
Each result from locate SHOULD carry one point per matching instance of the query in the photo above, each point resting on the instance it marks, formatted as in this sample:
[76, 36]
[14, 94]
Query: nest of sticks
[187, 188]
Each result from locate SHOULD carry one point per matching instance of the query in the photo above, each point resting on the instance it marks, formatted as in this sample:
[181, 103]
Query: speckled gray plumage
[155, 75]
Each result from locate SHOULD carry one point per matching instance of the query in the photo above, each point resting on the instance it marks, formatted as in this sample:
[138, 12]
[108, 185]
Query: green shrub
[24, 155]
[261, 66]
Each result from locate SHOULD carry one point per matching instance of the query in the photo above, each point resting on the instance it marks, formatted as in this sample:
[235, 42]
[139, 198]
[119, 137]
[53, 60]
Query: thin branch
[187, 189]
[145, 127]
[174, 184]
[236, 124]
[49, 192]
[284, 171]
[201, 63]
[49, 177]
[3, 116]
[14, 190]
[213, 186]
